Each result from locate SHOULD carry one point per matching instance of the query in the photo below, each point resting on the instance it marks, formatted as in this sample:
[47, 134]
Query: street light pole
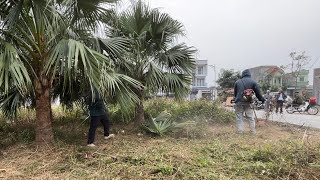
[215, 74]
[215, 79]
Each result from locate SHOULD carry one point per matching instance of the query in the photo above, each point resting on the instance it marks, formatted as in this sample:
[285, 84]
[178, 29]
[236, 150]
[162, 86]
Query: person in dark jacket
[280, 98]
[298, 99]
[243, 106]
[98, 113]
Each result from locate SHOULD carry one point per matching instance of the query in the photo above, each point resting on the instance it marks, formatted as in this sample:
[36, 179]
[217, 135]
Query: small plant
[159, 125]
[163, 124]
[164, 169]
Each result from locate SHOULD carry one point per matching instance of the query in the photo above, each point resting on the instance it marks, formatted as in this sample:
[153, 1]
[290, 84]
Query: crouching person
[243, 103]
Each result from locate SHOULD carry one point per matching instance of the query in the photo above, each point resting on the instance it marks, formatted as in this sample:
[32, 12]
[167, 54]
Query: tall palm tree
[45, 44]
[152, 57]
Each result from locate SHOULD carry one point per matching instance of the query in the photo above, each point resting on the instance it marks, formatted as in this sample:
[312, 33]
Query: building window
[301, 79]
[200, 82]
[200, 70]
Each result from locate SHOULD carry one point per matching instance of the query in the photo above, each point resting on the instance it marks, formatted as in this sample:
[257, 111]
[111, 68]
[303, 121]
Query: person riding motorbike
[298, 99]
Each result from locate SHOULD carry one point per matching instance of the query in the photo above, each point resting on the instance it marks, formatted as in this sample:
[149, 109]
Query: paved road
[295, 118]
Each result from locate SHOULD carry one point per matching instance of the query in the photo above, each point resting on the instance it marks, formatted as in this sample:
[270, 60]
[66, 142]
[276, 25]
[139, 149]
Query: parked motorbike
[310, 109]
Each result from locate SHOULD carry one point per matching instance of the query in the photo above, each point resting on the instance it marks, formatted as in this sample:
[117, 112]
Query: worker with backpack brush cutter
[244, 90]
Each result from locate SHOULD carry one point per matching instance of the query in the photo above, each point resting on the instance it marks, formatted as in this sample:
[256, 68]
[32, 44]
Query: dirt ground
[136, 156]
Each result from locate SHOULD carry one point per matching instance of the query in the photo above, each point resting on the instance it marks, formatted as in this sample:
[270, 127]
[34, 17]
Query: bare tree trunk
[295, 85]
[44, 133]
[139, 111]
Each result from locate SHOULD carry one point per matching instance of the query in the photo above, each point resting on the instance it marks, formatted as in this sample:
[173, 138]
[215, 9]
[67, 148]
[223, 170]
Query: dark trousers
[94, 124]
[279, 105]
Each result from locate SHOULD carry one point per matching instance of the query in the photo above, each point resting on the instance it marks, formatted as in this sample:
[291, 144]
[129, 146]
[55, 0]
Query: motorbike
[306, 107]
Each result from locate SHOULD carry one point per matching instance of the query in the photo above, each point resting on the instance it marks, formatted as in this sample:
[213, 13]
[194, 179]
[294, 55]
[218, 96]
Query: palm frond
[114, 47]
[136, 20]
[164, 29]
[10, 11]
[13, 100]
[119, 87]
[154, 77]
[12, 70]
[66, 57]
[72, 59]
[85, 14]
[178, 59]
[179, 84]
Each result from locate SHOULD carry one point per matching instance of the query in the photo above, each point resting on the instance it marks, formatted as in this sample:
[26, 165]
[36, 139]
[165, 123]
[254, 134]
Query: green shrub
[189, 110]
[201, 112]
[180, 111]
[117, 114]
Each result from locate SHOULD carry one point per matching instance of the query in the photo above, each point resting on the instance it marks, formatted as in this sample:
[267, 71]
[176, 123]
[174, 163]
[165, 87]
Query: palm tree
[46, 44]
[152, 57]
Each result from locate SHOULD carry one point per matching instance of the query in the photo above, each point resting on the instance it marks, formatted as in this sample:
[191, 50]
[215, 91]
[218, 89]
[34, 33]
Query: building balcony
[200, 75]
[200, 86]
[201, 62]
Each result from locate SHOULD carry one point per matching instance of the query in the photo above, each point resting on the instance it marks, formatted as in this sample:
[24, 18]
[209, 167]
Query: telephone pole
[215, 79]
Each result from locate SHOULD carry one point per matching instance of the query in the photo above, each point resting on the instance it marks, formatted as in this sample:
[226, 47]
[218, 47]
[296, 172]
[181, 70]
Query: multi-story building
[200, 74]
[271, 76]
[316, 84]
[298, 82]
[199, 86]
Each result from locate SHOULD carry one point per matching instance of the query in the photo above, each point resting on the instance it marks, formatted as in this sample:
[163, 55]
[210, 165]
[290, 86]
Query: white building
[199, 86]
[200, 74]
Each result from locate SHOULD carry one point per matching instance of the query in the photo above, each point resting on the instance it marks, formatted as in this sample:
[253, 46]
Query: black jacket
[96, 105]
[246, 83]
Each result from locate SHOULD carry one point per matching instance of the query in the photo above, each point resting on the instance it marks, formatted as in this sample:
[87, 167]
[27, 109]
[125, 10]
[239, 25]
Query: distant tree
[228, 78]
[264, 86]
[298, 63]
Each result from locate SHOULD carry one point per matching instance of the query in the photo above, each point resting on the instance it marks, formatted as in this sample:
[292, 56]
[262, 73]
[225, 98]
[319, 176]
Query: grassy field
[276, 152]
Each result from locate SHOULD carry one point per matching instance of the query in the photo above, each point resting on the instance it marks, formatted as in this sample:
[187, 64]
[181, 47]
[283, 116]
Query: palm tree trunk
[44, 133]
[139, 116]
[139, 111]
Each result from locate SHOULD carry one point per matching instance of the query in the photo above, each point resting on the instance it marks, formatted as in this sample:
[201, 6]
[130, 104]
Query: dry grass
[219, 154]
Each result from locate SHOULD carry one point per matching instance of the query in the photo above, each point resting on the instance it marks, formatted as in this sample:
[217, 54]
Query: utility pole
[215, 79]
[215, 74]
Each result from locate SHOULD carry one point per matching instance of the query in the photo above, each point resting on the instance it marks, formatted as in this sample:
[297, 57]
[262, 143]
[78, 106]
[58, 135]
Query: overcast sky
[245, 33]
